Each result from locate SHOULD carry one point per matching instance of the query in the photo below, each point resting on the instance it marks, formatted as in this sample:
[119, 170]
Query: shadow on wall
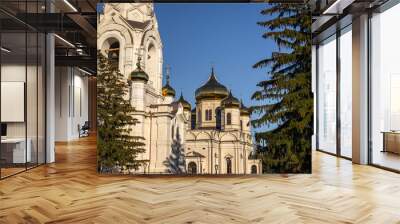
[175, 163]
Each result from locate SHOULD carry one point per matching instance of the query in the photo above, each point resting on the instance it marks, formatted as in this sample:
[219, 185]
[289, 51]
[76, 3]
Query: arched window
[228, 118]
[193, 120]
[253, 169]
[199, 116]
[113, 52]
[228, 165]
[208, 115]
[218, 118]
[151, 64]
[192, 168]
[241, 125]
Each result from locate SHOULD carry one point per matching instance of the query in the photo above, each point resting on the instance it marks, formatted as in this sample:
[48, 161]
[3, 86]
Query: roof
[230, 101]
[211, 89]
[138, 25]
[167, 90]
[194, 154]
[186, 105]
[243, 109]
[138, 74]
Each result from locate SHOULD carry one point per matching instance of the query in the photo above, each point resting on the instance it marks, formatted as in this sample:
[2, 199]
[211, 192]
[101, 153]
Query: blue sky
[195, 36]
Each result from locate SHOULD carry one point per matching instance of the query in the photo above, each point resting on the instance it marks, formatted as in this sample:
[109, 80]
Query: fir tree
[175, 163]
[286, 101]
[117, 149]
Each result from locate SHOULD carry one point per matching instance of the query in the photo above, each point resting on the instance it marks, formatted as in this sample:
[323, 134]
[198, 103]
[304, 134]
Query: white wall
[33, 126]
[71, 102]
[16, 73]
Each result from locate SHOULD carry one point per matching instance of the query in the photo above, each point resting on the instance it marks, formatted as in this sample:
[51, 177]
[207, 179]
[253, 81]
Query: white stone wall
[71, 102]
[235, 119]
[216, 146]
[204, 105]
[116, 25]
[246, 126]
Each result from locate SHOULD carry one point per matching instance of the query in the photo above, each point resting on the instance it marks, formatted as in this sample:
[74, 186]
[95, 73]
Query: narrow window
[199, 116]
[228, 165]
[208, 115]
[228, 119]
[218, 118]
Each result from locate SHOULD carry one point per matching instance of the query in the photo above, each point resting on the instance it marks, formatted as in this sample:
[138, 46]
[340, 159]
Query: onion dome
[230, 101]
[167, 90]
[138, 74]
[186, 105]
[244, 110]
[212, 89]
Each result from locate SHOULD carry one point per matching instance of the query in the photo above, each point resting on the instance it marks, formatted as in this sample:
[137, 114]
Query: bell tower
[133, 26]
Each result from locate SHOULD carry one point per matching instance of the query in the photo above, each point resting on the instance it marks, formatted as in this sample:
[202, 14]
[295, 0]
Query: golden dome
[212, 89]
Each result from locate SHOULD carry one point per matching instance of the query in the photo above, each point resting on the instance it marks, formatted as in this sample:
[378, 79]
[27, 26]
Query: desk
[13, 150]
[391, 141]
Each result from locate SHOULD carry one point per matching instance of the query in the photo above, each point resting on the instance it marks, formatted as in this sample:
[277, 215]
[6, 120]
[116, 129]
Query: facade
[215, 139]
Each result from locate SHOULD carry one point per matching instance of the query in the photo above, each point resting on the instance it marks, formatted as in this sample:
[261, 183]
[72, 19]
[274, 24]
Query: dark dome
[139, 74]
[186, 105]
[167, 90]
[212, 89]
[230, 101]
[244, 110]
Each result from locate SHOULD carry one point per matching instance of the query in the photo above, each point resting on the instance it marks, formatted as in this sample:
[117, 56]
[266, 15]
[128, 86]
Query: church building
[214, 137]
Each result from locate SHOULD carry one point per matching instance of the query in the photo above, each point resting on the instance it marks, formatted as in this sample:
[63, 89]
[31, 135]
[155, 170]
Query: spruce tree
[175, 163]
[285, 112]
[117, 149]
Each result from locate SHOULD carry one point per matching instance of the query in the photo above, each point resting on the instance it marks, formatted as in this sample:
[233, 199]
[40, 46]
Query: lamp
[84, 71]
[64, 40]
[5, 50]
[70, 5]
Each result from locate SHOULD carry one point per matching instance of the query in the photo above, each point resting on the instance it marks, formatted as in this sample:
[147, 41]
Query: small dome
[167, 90]
[230, 101]
[212, 89]
[244, 110]
[186, 105]
[138, 74]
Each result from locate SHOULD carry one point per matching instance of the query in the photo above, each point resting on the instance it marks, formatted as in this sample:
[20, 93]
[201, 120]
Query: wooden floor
[70, 191]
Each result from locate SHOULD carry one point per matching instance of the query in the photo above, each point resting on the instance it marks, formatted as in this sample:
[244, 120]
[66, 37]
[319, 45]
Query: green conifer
[286, 100]
[117, 149]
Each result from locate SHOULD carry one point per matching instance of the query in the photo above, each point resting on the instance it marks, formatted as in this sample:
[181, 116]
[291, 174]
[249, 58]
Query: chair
[84, 130]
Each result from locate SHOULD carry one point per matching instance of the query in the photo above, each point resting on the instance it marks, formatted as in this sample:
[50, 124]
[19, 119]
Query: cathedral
[214, 137]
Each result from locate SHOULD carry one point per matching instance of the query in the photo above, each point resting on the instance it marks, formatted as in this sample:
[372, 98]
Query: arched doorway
[228, 165]
[253, 169]
[192, 168]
